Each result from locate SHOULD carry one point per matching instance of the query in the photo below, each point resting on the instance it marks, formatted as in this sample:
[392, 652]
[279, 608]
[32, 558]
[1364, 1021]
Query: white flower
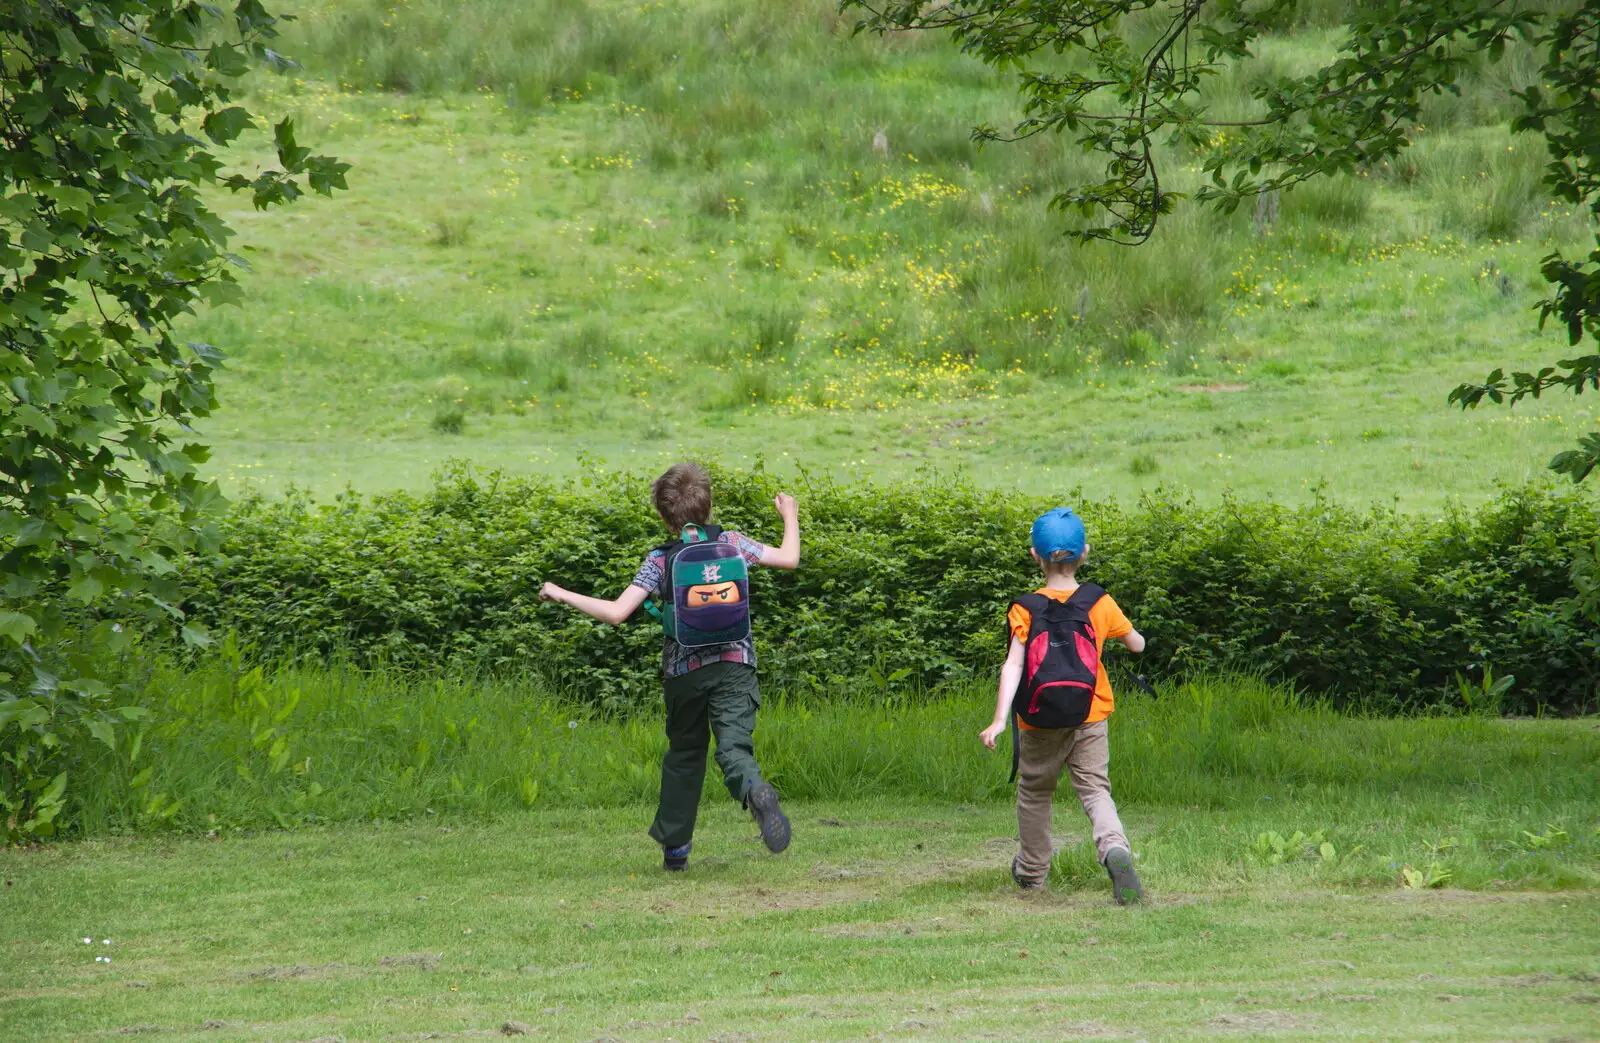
[88, 941]
[106, 942]
[572, 724]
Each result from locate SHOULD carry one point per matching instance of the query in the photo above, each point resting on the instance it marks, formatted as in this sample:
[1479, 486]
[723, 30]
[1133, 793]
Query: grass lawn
[892, 915]
[882, 921]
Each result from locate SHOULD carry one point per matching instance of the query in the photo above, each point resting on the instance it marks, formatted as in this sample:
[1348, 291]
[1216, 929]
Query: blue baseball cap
[1059, 530]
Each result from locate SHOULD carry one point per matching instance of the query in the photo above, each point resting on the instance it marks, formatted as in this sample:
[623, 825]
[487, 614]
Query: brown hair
[683, 496]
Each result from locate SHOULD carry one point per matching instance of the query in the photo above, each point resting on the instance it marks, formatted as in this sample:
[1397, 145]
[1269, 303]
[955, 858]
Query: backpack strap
[709, 533]
[1036, 604]
[1087, 595]
[1016, 749]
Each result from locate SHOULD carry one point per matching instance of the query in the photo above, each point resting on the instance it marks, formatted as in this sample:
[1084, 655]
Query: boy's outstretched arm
[613, 612]
[1010, 676]
[1133, 641]
[787, 554]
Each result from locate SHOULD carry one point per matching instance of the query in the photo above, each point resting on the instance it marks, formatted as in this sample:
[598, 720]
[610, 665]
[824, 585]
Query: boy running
[1063, 698]
[709, 659]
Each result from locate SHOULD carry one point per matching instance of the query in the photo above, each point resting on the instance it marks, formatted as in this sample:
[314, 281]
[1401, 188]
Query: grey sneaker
[1125, 886]
[1022, 881]
[763, 805]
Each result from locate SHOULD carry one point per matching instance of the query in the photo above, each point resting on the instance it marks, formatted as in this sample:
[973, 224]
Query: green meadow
[884, 922]
[632, 232]
[468, 858]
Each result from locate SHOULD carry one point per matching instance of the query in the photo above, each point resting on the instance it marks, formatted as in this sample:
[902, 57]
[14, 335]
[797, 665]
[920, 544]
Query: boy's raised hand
[786, 505]
[550, 592]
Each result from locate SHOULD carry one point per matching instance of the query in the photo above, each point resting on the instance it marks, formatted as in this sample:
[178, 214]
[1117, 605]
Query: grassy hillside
[636, 231]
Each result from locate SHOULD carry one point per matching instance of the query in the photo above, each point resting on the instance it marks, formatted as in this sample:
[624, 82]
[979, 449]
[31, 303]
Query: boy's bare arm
[1133, 641]
[787, 554]
[613, 612]
[1010, 676]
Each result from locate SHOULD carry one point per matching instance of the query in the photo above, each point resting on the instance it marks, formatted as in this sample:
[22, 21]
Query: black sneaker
[763, 805]
[1022, 881]
[675, 859]
[1125, 886]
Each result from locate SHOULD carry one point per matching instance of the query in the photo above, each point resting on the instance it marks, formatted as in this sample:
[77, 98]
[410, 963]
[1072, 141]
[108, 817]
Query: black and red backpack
[1061, 663]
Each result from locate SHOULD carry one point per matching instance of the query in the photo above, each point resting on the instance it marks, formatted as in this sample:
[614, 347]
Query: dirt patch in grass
[1092, 1030]
[422, 961]
[1521, 981]
[848, 871]
[881, 930]
[733, 902]
[636, 1025]
[299, 970]
[1259, 1020]
[1446, 895]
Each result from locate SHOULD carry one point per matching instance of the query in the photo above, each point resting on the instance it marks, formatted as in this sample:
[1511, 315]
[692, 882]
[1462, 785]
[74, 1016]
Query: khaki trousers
[1085, 753]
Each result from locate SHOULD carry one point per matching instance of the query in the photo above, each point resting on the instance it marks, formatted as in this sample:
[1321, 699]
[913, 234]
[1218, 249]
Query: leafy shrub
[449, 419]
[451, 230]
[1370, 608]
[46, 734]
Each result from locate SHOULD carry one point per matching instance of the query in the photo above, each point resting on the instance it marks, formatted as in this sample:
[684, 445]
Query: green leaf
[24, 713]
[103, 730]
[17, 626]
[86, 590]
[290, 154]
[53, 792]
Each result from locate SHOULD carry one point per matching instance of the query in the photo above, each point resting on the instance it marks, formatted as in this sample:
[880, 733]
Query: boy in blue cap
[1054, 689]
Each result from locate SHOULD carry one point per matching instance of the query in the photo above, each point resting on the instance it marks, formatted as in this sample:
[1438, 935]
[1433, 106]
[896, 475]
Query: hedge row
[1370, 607]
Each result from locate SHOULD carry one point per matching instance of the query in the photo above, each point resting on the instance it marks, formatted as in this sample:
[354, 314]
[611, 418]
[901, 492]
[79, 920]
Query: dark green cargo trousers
[718, 699]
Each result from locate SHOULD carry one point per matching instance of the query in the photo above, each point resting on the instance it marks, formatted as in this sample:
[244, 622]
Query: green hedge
[1367, 607]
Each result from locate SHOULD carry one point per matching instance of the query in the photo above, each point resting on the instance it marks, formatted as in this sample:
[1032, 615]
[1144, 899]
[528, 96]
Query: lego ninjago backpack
[1061, 663]
[709, 584]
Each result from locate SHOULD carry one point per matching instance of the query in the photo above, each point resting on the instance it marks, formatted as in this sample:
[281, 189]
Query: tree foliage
[111, 115]
[1121, 75]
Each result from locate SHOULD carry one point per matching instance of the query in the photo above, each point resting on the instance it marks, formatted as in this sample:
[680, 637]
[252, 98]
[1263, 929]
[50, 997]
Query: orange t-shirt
[1108, 622]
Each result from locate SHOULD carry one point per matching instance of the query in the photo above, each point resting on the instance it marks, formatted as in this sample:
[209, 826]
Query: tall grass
[540, 51]
[713, 209]
[797, 142]
[231, 747]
